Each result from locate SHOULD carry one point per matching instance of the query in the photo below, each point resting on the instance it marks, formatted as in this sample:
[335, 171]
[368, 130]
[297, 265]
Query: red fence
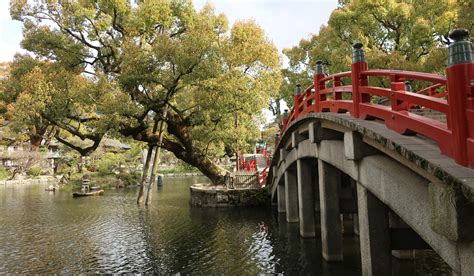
[452, 95]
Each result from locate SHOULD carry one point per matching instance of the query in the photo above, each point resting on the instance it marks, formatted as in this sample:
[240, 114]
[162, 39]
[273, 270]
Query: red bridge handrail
[435, 78]
[452, 95]
[337, 76]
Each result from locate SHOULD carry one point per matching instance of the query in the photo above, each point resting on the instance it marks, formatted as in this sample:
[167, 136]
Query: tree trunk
[146, 167]
[203, 164]
[185, 150]
[156, 158]
[182, 147]
[237, 161]
[80, 165]
[278, 113]
[35, 142]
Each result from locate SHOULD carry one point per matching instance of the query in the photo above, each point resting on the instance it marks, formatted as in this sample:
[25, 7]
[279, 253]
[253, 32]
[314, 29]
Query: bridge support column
[331, 232]
[356, 224]
[305, 199]
[374, 234]
[281, 198]
[291, 196]
[355, 216]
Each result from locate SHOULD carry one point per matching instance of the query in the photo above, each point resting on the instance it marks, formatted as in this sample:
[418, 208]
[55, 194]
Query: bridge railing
[451, 95]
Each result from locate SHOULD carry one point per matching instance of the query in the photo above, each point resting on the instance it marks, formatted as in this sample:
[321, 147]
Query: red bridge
[452, 95]
[397, 164]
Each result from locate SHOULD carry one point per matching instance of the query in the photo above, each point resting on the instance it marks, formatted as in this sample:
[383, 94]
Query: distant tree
[41, 100]
[4, 68]
[22, 95]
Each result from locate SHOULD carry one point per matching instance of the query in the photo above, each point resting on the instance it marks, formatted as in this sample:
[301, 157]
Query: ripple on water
[54, 233]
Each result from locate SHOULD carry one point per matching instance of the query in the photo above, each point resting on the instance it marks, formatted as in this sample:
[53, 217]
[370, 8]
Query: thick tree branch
[82, 151]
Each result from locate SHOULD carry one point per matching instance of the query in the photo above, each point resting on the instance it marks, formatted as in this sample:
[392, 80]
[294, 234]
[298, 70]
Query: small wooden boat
[90, 193]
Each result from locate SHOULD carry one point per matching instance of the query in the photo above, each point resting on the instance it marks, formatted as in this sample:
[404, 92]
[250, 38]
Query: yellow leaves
[17, 7]
[151, 15]
[248, 45]
[401, 11]
[34, 98]
[120, 6]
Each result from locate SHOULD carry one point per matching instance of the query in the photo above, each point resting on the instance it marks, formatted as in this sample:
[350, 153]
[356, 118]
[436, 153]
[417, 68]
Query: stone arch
[382, 169]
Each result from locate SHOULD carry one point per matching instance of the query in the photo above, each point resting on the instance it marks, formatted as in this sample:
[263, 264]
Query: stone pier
[331, 231]
[291, 196]
[306, 199]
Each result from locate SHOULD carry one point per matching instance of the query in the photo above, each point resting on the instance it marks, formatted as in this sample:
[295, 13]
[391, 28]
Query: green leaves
[409, 35]
[140, 57]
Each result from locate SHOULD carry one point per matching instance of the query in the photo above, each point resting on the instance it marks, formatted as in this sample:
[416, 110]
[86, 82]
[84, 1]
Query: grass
[4, 174]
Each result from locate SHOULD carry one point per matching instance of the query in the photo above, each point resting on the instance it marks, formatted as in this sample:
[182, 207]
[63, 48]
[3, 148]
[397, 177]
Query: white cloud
[285, 22]
[4, 9]
[8, 52]
[10, 33]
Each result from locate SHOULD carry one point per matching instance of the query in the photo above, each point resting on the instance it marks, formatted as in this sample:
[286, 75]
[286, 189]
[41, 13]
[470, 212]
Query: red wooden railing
[452, 95]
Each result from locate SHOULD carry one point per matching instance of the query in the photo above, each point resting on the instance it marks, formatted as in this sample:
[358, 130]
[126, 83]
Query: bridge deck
[417, 149]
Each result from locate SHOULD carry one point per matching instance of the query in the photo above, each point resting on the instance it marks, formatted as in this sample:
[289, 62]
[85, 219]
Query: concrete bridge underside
[403, 193]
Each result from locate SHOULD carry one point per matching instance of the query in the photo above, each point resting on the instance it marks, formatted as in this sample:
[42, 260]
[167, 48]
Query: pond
[43, 232]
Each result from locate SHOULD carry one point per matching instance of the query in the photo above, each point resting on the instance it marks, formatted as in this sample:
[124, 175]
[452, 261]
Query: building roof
[113, 143]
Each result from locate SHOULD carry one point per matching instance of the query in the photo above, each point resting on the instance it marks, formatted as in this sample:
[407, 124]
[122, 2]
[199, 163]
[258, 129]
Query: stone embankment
[39, 180]
[206, 195]
[182, 174]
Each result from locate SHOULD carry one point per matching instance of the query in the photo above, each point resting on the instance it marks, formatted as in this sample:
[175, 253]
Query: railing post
[285, 119]
[318, 86]
[408, 87]
[460, 77]
[398, 84]
[359, 64]
[297, 100]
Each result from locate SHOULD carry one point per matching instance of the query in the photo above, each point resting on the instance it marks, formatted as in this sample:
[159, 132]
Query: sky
[285, 22]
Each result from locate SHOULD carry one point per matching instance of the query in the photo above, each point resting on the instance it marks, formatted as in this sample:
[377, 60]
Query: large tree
[397, 34]
[22, 97]
[157, 54]
[41, 99]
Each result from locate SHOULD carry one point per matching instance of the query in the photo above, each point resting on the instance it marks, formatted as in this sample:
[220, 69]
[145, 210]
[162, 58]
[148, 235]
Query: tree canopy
[120, 63]
[42, 99]
[397, 34]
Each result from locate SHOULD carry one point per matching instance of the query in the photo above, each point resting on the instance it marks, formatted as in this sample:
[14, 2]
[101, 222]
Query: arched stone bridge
[404, 192]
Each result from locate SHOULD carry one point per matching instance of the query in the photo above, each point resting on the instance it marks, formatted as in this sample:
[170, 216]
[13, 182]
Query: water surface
[42, 232]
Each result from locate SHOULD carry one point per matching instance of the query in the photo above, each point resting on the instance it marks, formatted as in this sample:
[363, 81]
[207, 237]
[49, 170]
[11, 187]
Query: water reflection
[54, 233]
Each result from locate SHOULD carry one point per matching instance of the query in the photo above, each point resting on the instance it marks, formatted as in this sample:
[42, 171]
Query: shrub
[108, 163]
[66, 165]
[4, 173]
[34, 171]
[130, 178]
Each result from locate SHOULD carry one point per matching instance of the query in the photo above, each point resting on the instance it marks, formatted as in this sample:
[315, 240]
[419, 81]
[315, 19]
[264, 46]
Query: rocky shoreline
[181, 174]
[27, 181]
